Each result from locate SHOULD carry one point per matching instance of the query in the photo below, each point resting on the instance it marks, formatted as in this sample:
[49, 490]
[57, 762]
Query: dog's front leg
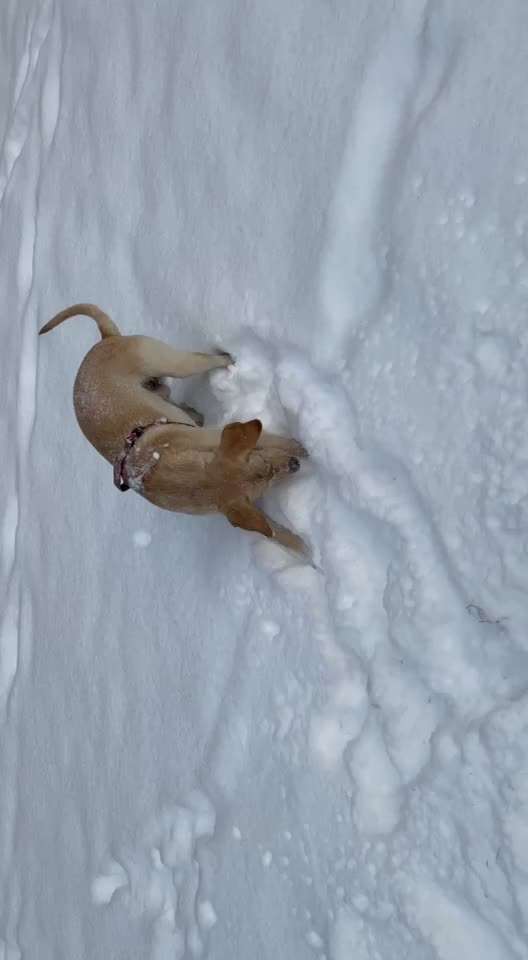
[244, 514]
[288, 444]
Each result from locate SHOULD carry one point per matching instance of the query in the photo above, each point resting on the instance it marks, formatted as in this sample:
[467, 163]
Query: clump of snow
[142, 538]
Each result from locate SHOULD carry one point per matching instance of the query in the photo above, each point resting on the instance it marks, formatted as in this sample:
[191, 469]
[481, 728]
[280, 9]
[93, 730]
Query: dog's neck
[122, 480]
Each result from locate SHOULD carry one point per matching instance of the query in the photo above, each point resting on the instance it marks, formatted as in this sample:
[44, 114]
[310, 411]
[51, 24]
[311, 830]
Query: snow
[142, 538]
[207, 748]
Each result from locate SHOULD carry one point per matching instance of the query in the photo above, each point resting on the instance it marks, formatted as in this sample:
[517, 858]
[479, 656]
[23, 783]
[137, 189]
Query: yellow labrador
[163, 451]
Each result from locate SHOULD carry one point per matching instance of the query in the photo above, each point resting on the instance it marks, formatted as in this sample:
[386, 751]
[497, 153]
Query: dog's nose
[294, 464]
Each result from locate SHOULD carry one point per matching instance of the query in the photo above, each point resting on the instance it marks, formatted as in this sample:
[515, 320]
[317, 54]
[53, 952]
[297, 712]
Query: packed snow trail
[208, 749]
[412, 61]
[29, 126]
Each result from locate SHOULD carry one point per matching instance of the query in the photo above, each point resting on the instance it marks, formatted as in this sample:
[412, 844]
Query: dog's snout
[294, 463]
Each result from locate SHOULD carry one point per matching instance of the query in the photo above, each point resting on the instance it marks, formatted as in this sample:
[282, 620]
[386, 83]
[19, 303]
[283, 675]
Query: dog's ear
[243, 514]
[238, 439]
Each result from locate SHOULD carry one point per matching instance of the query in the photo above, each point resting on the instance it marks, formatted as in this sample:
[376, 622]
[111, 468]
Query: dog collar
[121, 477]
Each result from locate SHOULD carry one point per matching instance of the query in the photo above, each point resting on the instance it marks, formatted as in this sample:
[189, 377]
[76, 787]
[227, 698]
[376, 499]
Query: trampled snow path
[29, 132]
[207, 749]
[412, 61]
[27, 136]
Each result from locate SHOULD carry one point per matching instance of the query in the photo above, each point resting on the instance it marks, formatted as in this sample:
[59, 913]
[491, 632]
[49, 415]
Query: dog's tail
[107, 327]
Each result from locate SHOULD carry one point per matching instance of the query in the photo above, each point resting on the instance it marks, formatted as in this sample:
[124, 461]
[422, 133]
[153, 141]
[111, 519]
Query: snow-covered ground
[206, 749]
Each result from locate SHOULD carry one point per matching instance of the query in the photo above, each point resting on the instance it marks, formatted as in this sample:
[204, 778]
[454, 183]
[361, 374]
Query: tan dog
[161, 450]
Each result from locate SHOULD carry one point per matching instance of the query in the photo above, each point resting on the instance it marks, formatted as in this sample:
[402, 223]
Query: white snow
[207, 748]
[142, 538]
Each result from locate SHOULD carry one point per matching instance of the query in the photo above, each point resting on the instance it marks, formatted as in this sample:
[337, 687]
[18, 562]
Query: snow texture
[207, 749]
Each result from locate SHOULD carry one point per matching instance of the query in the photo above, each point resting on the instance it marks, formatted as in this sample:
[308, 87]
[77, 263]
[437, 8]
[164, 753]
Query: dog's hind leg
[153, 358]
[244, 514]
[161, 389]
[194, 414]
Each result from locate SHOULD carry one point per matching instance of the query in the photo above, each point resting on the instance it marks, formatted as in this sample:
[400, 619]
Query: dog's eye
[152, 384]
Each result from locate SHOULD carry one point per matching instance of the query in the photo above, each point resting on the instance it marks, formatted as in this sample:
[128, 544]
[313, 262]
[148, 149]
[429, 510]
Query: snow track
[29, 131]
[412, 62]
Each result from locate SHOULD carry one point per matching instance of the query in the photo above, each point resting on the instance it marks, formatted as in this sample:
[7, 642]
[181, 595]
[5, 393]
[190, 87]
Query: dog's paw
[230, 359]
[297, 450]
[193, 413]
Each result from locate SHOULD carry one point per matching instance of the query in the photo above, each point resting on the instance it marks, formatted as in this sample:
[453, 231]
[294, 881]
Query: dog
[163, 451]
